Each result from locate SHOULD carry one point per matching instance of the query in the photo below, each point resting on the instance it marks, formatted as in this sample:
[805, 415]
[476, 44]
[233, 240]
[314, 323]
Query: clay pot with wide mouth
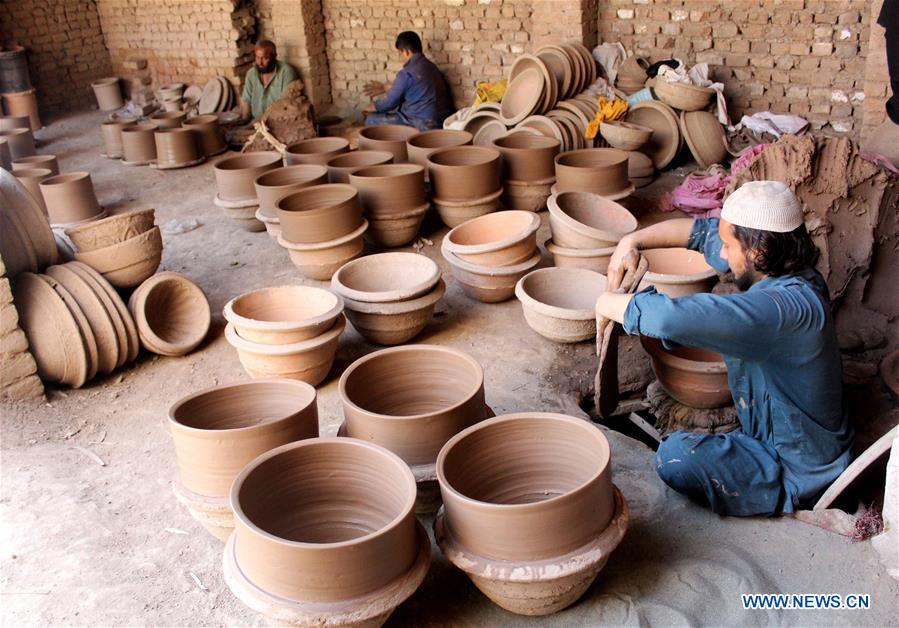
[309, 360]
[421, 145]
[683, 96]
[526, 196]
[273, 185]
[176, 147]
[393, 230]
[454, 213]
[50, 162]
[389, 137]
[596, 260]
[171, 312]
[99, 234]
[394, 322]
[583, 220]
[20, 142]
[234, 176]
[524, 96]
[30, 179]
[625, 135]
[320, 260]
[601, 171]
[342, 166]
[695, 377]
[168, 119]
[208, 134]
[677, 272]
[464, 173]
[386, 277]
[108, 93]
[560, 303]
[317, 150]
[530, 512]
[319, 213]
[325, 534]
[70, 198]
[283, 314]
[499, 239]
[489, 284]
[111, 132]
[527, 157]
[389, 189]
[128, 263]
[138, 143]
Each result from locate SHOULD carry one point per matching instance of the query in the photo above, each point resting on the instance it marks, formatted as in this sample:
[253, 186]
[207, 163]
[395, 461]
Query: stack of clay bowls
[528, 169]
[625, 135]
[571, 66]
[601, 171]
[208, 134]
[26, 240]
[412, 400]
[76, 324]
[286, 331]
[70, 199]
[489, 254]
[342, 166]
[171, 313]
[325, 534]
[465, 182]
[19, 141]
[389, 137]
[234, 177]
[108, 92]
[138, 143]
[273, 185]
[640, 169]
[126, 249]
[111, 132]
[317, 150]
[176, 147]
[694, 377]
[678, 272]
[171, 96]
[48, 162]
[705, 137]
[322, 228]
[632, 74]
[586, 229]
[393, 199]
[389, 297]
[666, 139]
[419, 146]
[682, 96]
[560, 303]
[529, 513]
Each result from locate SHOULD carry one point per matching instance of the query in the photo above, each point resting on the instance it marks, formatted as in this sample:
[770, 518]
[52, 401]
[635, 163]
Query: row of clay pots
[167, 141]
[286, 331]
[528, 169]
[389, 297]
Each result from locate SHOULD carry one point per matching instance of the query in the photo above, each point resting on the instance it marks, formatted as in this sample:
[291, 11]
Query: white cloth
[763, 205]
[600, 87]
[887, 543]
[775, 123]
[697, 75]
[610, 55]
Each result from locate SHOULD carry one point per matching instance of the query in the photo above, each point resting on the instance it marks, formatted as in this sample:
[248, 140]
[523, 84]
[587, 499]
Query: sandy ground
[86, 544]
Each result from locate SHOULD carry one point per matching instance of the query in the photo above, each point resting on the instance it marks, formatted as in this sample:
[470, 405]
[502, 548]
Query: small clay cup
[138, 143]
[695, 377]
[70, 198]
[602, 171]
[319, 213]
[111, 132]
[464, 173]
[389, 137]
[317, 150]
[283, 314]
[176, 147]
[677, 272]
[36, 161]
[583, 220]
[171, 312]
[527, 157]
[342, 166]
[389, 189]
[499, 239]
[168, 119]
[234, 176]
[20, 142]
[560, 303]
[419, 146]
[273, 185]
[98, 234]
[30, 179]
[208, 134]
[386, 277]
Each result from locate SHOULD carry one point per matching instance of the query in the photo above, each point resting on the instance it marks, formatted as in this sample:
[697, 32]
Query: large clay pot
[677, 272]
[128, 263]
[523, 491]
[527, 157]
[582, 220]
[695, 377]
[320, 260]
[454, 213]
[602, 171]
[464, 173]
[234, 176]
[596, 260]
[394, 322]
[317, 150]
[138, 143]
[389, 137]
[70, 198]
[283, 314]
[171, 312]
[36, 161]
[168, 119]
[176, 147]
[342, 166]
[560, 303]
[208, 134]
[111, 132]
[319, 213]
[625, 135]
[684, 96]
[525, 195]
[20, 142]
[490, 284]
[393, 230]
[273, 185]
[389, 189]
[98, 234]
[325, 534]
[412, 399]
[108, 93]
[386, 277]
[419, 146]
[30, 179]
[498, 239]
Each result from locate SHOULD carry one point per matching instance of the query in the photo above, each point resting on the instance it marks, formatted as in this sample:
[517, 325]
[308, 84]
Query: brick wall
[65, 48]
[18, 371]
[877, 77]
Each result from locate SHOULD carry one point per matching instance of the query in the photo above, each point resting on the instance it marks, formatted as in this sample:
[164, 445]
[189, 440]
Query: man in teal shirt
[778, 341]
[265, 81]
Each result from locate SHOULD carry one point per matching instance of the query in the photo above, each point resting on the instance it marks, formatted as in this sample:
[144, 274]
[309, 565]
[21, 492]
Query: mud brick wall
[65, 47]
[877, 77]
[18, 372]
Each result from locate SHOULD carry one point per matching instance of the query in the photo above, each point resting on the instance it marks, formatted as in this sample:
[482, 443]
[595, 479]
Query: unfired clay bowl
[464, 173]
[128, 263]
[454, 213]
[273, 185]
[234, 176]
[695, 377]
[319, 213]
[389, 189]
[677, 272]
[599, 170]
[419, 146]
[317, 150]
[489, 284]
[283, 314]
[499, 239]
[320, 260]
[527, 157]
[393, 230]
[341, 166]
[395, 322]
[596, 260]
[386, 277]
[171, 312]
[583, 220]
[560, 303]
[389, 137]
[98, 234]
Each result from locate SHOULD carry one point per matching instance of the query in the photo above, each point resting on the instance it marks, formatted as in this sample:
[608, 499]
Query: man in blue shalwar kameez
[778, 340]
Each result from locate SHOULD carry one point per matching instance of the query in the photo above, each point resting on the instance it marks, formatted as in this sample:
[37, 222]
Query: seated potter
[419, 96]
[265, 82]
[778, 341]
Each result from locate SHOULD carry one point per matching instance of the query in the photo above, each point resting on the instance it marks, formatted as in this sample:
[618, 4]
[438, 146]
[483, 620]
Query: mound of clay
[673, 416]
[289, 119]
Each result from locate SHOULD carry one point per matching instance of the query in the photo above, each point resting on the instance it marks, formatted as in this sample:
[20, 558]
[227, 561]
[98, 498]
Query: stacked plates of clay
[586, 228]
[465, 182]
[273, 185]
[236, 192]
[389, 297]
[393, 200]
[528, 169]
[322, 228]
[217, 95]
[559, 303]
[286, 331]
[489, 254]
[171, 312]
[601, 171]
[70, 199]
[318, 150]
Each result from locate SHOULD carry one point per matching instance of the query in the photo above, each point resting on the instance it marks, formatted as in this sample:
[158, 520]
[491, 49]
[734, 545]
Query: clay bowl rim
[239, 320]
[477, 504]
[31, 173]
[404, 259]
[492, 271]
[332, 143]
[552, 247]
[460, 134]
[212, 434]
[657, 351]
[391, 170]
[140, 127]
[67, 177]
[242, 344]
[141, 294]
[103, 222]
[289, 170]
[449, 151]
[562, 158]
[347, 192]
[556, 210]
[548, 142]
[394, 308]
[653, 277]
[342, 441]
[327, 244]
[331, 163]
[533, 224]
[202, 120]
[422, 348]
[260, 159]
[403, 132]
[528, 300]
[109, 80]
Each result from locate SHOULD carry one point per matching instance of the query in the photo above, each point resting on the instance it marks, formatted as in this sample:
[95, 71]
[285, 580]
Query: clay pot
[390, 188]
[273, 185]
[386, 277]
[36, 161]
[325, 534]
[525, 195]
[393, 230]
[171, 91]
[454, 213]
[168, 119]
[98, 234]
[464, 173]
[234, 176]
[500, 239]
[625, 135]
[705, 137]
[602, 171]
[560, 303]
[677, 272]
[30, 180]
[128, 263]
[395, 322]
[490, 284]
[581, 220]
[283, 314]
[596, 260]
[8, 123]
[388, 137]
[70, 198]
[319, 213]
[683, 96]
[321, 260]
[695, 377]
[412, 399]
[530, 512]
[23, 104]
[171, 312]
[111, 132]
[307, 360]
[108, 93]
[5, 157]
[341, 166]
[171, 105]
[243, 213]
[317, 150]
[176, 147]
[138, 143]
[20, 142]
[421, 145]
[527, 157]
[208, 134]
[523, 96]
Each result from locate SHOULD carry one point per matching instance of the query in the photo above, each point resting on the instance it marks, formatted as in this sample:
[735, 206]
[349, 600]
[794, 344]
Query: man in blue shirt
[419, 96]
[778, 341]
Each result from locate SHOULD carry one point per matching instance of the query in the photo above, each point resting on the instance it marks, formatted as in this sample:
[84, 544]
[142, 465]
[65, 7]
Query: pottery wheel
[672, 416]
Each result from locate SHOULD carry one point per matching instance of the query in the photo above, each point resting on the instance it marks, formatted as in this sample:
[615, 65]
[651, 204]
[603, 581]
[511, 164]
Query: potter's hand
[369, 109]
[617, 267]
[374, 88]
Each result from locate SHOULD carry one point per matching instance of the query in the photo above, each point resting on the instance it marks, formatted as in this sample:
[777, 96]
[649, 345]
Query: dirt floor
[107, 544]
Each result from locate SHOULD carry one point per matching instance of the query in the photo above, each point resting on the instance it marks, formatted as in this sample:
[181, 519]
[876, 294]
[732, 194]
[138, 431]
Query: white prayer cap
[763, 205]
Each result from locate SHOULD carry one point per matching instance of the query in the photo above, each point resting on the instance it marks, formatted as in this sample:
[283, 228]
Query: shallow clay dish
[677, 272]
[695, 377]
[523, 96]
[705, 137]
[389, 137]
[283, 314]
[317, 150]
[666, 137]
[126, 328]
[502, 238]
[560, 303]
[386, 277]
[112, 230]
[581, 220]
[172, 314]
[549, 91]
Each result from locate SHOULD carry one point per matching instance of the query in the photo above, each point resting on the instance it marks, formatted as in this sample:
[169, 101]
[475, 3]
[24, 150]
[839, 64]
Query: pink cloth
[746, 156]
[699, 195]
[879, 160]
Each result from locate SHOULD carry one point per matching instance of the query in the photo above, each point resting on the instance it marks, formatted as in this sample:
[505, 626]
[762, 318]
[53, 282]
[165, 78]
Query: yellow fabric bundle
[606, 110]
[490, 92]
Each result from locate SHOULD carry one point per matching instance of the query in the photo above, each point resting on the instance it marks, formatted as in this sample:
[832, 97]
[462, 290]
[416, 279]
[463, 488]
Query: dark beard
[745, 280]
[268, 68]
